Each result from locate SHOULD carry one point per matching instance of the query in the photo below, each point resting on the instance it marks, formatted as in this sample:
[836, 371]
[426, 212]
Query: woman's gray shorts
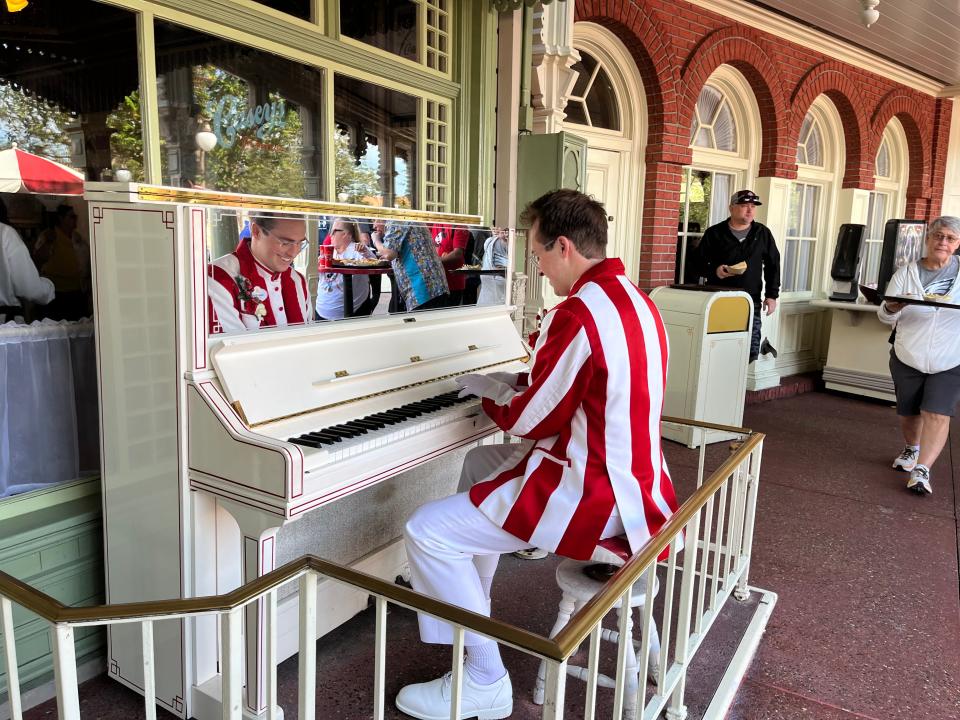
[935, 392]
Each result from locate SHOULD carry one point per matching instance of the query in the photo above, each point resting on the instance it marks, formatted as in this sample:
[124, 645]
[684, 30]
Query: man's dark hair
[572, 214]
[268, 220]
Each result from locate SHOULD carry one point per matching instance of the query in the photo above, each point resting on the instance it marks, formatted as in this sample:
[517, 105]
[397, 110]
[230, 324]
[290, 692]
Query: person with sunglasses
[256, 285]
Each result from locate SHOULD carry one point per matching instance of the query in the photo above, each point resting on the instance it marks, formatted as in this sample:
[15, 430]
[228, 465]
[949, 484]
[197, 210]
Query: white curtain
[49, 427]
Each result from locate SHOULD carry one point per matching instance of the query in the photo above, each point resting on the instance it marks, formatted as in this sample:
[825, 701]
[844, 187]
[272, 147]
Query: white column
[508, 122]
[553, 59]
[951, 187]
[773, 213]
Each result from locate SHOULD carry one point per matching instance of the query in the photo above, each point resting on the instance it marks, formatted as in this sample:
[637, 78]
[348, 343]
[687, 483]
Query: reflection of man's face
[69, 223]
[277, 247]
[742, 214]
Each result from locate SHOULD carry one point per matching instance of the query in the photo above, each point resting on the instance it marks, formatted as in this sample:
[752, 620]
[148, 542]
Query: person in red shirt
[451, 246]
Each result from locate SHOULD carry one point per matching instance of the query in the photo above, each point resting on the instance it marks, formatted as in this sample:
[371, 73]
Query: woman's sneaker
[919, 481]
[907, 460]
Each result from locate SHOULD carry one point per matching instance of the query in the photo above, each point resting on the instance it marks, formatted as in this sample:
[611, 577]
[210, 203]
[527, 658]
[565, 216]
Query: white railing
[696, 578]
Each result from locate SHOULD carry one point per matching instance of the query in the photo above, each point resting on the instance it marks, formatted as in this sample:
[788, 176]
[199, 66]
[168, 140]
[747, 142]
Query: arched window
[722, 160]
[811, 195]
[714, 126]
[593, 101]
[886, 199]
[810, 145]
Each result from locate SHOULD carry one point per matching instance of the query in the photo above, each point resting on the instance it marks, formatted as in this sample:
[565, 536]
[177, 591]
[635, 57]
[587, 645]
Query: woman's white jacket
[927, 338]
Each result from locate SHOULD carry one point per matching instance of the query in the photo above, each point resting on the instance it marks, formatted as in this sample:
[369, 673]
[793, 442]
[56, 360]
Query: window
[881, 208]
[375, 144]
[593, 100]
[67, 98]
[704, 201]
[714, 126]
[297, 8]
[803, 224]
[810, 144]
[418, 30]
[235, 118]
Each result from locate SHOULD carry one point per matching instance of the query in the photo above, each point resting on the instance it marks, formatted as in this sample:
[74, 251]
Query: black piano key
[354, 425]
[306, 442]
[367, 423]
[385, 417]
[342, 431]
[324, 436]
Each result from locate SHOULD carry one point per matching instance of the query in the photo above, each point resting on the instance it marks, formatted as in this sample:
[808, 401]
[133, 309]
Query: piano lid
[274, 375]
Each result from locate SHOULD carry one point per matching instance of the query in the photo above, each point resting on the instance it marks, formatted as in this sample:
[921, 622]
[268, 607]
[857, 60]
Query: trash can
[709, 334]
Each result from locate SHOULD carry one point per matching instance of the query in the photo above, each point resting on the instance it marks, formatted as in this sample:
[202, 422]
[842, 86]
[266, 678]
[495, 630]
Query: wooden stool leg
[567, 606]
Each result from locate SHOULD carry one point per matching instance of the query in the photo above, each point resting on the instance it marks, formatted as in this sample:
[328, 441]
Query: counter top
[852, 306]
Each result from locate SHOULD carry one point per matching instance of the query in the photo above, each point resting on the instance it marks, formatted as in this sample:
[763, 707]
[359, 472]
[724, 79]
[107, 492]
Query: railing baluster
[624, 643]
[701, 461]
[308, 646]
[593, 668]
[718, 553]
[646, 628]
[380, 660]
[556, 686]
[10, 655]
[231, 639]
[704, 564]
[733, 514]
[149, 673]
[456, 681]
[742, 591]
[65, 672]
[677, 710]
[270, 618]
[667, 625]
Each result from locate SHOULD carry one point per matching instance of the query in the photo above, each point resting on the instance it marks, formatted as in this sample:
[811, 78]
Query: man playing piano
[256, 285]
[590, 465]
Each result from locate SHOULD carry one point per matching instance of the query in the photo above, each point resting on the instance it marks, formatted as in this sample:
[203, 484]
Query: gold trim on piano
[523, 358]
[158, 193]
[238, 409]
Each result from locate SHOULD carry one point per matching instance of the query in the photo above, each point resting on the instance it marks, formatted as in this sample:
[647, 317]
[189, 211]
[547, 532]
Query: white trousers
[451, 544]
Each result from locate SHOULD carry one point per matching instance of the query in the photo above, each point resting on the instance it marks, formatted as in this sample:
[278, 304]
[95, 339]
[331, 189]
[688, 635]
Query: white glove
[505, 377]
[486, 387]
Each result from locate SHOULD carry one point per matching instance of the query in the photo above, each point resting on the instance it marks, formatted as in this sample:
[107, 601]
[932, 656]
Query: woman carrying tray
[345, 238]
[925, 360]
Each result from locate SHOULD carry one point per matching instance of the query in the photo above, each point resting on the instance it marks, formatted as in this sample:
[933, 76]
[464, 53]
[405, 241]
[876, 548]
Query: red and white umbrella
[25, 172]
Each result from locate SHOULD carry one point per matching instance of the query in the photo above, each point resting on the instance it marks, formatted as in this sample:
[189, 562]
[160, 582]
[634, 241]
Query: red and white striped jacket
[238, 284]
[593, 407]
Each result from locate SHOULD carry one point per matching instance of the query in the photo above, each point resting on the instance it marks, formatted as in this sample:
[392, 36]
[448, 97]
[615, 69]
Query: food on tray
[360, 262]
[739, 269]
[936, 297]
[469, 267]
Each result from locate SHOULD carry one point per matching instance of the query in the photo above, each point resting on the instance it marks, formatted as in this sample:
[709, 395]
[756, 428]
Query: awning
[25, 172]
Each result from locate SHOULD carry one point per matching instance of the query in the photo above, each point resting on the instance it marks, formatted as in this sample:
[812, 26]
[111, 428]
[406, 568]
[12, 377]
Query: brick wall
[677, 46]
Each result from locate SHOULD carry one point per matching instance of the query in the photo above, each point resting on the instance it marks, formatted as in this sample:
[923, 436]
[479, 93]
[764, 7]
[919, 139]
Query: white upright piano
[227, 455]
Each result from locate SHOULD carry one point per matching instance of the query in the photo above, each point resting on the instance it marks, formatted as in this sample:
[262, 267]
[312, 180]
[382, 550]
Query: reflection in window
[810, 144]
[873, 242]
[375, 144]
[713, 125]
[297, 8]
[704, 201]
[67, 98]
[237, 119]
[803, 220]
[390, 25]
[593, 100]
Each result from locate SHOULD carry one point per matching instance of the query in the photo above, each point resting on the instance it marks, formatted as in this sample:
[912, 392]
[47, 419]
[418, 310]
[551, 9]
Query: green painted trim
[43, 498]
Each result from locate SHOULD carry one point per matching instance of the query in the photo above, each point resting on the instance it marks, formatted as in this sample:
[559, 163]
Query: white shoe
[431, 700]
[919, 481]
[907, 460]
[533, 553]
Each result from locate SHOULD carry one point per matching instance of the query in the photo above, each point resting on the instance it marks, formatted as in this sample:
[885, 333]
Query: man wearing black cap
[741, 253]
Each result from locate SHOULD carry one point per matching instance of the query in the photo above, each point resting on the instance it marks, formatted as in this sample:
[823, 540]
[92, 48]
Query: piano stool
[578, 588]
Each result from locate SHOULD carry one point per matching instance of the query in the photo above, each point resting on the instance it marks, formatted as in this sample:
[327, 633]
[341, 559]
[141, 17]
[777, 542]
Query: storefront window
[810, 144]
[375, 143]
[67, 94]
[235, 118]
[297, 8]
[390, 25]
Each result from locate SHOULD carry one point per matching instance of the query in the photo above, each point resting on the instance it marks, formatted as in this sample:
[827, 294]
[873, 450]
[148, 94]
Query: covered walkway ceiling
[922, 35]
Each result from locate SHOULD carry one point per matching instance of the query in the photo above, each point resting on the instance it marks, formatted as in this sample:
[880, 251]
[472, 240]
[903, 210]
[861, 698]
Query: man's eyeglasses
[546, 248]
[286, 245]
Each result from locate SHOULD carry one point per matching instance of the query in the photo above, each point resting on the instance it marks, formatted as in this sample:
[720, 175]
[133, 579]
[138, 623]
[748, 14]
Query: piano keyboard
[386, 427]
